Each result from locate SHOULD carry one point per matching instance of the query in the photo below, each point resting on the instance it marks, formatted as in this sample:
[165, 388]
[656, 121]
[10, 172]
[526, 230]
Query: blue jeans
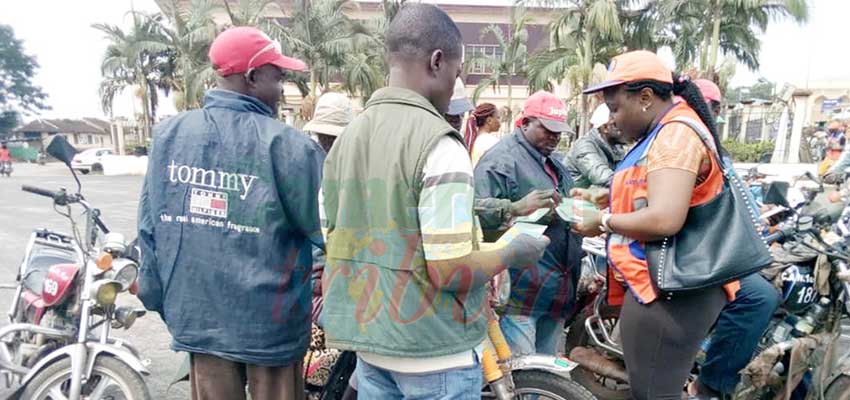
[529, 335]
[453, 384]
[737, 333]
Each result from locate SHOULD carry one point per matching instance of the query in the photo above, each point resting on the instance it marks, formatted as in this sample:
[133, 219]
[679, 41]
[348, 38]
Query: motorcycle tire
[548, 385]
[577, 336]
[58, 375]
[838, 389]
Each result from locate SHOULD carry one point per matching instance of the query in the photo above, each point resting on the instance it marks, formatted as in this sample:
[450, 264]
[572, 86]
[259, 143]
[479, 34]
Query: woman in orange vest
[673, 166]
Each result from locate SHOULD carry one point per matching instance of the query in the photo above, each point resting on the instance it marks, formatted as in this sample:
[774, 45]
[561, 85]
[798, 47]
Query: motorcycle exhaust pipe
[594, 362]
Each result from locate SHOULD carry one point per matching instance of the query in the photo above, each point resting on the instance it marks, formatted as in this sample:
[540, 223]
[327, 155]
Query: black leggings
[661, 340]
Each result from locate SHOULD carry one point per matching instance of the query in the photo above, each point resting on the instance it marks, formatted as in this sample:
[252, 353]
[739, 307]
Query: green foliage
[748, 152]
[762, 89]
[16, 72]
[9, 120]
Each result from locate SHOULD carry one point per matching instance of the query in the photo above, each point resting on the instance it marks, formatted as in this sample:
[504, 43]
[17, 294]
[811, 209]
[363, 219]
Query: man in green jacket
[404, 283]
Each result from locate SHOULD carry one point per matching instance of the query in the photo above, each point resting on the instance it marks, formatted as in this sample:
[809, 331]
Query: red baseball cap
[241, 48]
[549, 109]
[639, 65]
[709, 90]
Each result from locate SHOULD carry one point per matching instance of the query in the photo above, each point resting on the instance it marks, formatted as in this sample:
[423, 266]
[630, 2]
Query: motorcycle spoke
[101, 387]
[56, 394]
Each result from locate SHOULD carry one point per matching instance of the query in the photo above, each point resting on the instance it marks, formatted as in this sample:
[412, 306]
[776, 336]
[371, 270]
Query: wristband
[604, 227]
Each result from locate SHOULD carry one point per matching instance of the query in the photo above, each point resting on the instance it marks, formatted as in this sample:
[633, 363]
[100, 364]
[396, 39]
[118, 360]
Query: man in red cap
[227, 228]
[542, 294]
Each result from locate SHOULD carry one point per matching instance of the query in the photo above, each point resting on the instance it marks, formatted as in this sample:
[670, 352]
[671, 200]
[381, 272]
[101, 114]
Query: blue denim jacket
[227, 216]
[510, 170]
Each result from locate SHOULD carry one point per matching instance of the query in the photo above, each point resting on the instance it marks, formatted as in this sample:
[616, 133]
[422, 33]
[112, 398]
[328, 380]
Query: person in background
[711, 93]
[593, 157]
[227, 228]
[458, 106]
[482, 128]
[330, 117]
[672, 167]
[542, 294]
[741, 322]
[404, 286]
[837, 154]
[5, 156]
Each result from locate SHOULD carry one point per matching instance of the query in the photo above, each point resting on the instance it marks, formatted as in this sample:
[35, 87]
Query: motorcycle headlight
[126, 316]
[105, 291]
[125, 271]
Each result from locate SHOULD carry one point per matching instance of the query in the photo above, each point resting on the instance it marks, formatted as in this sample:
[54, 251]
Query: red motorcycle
[58, 343]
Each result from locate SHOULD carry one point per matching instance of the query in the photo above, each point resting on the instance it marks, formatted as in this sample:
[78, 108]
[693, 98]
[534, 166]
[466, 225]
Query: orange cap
[639, 65]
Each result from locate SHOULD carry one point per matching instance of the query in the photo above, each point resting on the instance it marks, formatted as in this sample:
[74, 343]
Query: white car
[90, 160]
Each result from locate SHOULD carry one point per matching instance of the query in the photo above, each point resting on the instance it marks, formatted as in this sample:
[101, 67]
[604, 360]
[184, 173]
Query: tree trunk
[715, 36]
[588, 69]
[146, 111]
[510, 105]
[313, 82]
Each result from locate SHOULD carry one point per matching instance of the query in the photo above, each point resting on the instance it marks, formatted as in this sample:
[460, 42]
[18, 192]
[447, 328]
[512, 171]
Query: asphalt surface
[117, 197]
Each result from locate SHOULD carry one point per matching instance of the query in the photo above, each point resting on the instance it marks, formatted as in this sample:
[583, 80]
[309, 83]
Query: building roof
[65, 125]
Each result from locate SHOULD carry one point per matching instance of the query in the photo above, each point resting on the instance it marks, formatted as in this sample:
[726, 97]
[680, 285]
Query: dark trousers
[737, 333]
[661, 340]
[215, 378]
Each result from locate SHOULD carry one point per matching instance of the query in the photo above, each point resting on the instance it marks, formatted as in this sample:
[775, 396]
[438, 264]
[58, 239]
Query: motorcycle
[812, 270]
[535, 376]
[58, 342]
[6, 168]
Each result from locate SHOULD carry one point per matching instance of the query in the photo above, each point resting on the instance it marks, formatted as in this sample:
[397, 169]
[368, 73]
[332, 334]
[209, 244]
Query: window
[473, 51]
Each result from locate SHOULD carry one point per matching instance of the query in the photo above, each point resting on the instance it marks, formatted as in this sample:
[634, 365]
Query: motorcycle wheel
[544, 385]
[111, 379]
[839, 389]
[601, 387]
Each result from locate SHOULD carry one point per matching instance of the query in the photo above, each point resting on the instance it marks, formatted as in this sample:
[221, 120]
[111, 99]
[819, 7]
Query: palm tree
[134, 59]
[322, 35]
[188, 35]
[698, 30]
[584, 33]
[513, 49]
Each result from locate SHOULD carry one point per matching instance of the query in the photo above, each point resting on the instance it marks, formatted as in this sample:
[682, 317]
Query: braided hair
[688, 91]
[475, 121]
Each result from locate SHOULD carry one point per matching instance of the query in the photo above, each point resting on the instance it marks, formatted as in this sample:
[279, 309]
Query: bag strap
[706, 138]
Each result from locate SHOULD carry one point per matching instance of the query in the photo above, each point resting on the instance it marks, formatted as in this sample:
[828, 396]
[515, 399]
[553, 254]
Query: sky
[59, 34]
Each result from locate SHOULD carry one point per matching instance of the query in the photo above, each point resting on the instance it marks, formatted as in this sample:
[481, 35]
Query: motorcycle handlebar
[40, 191]
[779, 235]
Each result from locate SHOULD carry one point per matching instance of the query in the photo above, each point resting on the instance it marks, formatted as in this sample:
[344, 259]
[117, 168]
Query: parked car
[90, 160]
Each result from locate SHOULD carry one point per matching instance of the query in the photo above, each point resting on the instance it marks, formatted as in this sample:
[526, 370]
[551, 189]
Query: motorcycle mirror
[63, 151]
[777, 193]
[60, 149]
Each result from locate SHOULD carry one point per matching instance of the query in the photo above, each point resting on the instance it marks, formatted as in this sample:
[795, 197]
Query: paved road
[117, 197]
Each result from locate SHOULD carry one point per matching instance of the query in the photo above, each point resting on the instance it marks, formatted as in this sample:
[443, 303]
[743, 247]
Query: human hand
[597, 196]
[590, 223]
[535, 200]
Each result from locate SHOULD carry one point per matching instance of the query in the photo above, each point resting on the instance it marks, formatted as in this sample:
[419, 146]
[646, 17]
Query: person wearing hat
[521, 165]
[673, 166]
[592, 158]
[227, 228]
[405, 283]
[330, 117]
[459, 105]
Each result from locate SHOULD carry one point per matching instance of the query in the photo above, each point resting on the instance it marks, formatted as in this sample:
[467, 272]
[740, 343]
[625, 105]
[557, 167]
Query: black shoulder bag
[718, 242]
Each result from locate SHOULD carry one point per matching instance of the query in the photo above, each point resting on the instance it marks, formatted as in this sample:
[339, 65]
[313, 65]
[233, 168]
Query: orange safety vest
[629, 194]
